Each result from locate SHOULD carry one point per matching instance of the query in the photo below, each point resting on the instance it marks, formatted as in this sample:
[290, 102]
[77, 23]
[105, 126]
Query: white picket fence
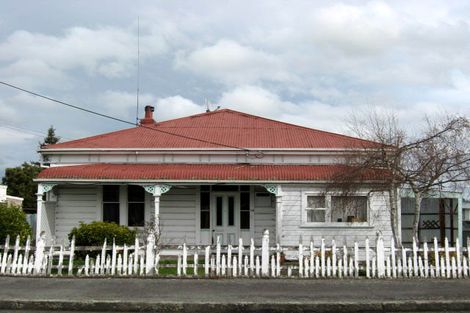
[239, 261]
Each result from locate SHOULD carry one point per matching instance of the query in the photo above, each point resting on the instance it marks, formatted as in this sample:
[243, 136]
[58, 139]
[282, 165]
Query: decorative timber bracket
[44, 188]
[156, 190]
[274, 189]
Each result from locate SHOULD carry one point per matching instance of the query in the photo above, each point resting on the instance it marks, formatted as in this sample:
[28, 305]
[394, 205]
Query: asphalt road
[235, 295]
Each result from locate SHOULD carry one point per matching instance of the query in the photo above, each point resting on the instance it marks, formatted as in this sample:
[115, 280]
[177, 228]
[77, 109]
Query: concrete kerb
[120, 306]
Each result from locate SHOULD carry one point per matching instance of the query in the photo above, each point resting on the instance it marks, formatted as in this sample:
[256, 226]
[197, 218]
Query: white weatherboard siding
[75, 204]
[178, 215]
[293, 230]
[264, 215]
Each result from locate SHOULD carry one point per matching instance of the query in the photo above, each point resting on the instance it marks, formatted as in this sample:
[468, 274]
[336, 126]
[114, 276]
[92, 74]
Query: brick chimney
[148, 119]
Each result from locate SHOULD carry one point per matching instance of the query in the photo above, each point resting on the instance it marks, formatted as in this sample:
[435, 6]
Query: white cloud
[107, 51]
[259, 101]
[256, 100]
[358, 30]
[174, 107]
[323, 115]
[123, 104]
[231, 62]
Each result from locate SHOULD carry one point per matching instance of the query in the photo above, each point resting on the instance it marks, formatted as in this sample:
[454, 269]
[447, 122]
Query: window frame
[128, 202]
[328, 210]
[118, 202]
[324, 209]
[124, 206]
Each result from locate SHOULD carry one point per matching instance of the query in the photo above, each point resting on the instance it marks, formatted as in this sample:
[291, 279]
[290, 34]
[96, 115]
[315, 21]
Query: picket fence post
[206, 261]
[393, 256]
[217, 257]
[367, 259]
[195, 264]
[333, 254]
[265, 254]
[149, 254]
[447, 256]
[113, 258]
[252, 256]
[322, 257]
[5, 254]
[39, 254]
[436, 258]
[72, 252]
[380, 257]
[185, 259]
[240, 255]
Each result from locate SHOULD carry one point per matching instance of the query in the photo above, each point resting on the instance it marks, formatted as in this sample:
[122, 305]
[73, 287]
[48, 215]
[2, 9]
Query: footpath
[27, 294]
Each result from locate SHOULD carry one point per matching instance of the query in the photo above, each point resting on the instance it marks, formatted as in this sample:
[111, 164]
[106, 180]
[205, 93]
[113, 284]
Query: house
[4, 197]
[441, 217]
[222, 173]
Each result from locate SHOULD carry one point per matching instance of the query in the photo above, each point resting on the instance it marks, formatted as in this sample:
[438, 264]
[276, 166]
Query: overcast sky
[305, 62]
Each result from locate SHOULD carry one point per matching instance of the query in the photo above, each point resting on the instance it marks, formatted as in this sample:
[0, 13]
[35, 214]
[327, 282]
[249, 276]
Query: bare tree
[436, 159]
[377, 164]
[439, 159]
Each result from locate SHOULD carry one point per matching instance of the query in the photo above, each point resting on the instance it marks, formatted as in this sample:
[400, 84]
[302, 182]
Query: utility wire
[119, 119]
[30, 131]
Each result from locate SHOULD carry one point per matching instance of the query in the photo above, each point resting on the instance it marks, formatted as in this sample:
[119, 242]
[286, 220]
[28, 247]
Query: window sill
[337, 225]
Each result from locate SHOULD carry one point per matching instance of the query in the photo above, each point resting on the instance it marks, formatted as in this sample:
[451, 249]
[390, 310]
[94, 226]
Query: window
[111, 203]
[316, 209]
[205, 210]
[219, 218]
[244, 210]
[231, 211]
[135, 205]
[335, 209]
[349, 209]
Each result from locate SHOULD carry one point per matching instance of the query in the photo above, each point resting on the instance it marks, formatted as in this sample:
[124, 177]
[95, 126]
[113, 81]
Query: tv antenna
[208, 106]
[138, 73]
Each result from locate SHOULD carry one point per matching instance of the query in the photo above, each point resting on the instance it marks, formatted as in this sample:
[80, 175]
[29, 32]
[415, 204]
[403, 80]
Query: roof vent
[148, 119]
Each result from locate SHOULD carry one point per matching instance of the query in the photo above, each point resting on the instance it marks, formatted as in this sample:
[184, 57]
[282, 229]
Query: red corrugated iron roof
[218, 129]
[193, 172]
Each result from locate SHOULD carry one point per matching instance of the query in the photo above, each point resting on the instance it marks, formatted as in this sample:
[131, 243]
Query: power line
[119, 119]
[30, 131]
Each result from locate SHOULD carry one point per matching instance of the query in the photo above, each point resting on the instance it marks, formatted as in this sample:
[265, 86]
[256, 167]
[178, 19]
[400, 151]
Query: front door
[225, 211]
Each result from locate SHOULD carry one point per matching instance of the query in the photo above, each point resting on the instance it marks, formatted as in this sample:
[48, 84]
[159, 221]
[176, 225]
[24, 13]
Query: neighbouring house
[4, 197]
[221, 174]
[465, 220]
[441, 217]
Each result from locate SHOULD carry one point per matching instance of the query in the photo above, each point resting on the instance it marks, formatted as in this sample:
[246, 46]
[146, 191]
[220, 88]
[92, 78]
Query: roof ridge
[192, 116]
[295, 125]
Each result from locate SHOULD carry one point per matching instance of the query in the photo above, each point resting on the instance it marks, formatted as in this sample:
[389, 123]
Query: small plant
[13, 222]
[95, 233]
[442, 254]
[328, 254]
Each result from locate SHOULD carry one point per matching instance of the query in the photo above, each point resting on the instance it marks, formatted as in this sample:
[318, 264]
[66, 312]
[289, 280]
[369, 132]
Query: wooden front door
[225, 212]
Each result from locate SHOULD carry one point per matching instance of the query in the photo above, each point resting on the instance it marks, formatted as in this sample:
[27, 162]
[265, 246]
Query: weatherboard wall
[294, 231]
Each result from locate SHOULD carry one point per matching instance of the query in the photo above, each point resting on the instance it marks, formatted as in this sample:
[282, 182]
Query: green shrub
[13, 222]
[95, 233]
